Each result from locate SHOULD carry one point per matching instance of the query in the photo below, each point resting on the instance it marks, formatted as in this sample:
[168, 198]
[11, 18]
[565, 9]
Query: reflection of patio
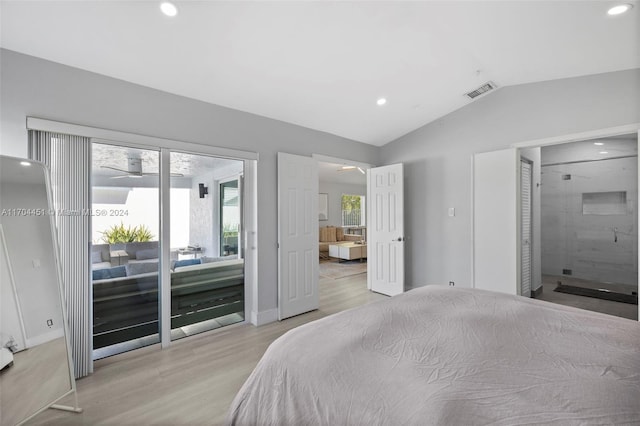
[191, 252]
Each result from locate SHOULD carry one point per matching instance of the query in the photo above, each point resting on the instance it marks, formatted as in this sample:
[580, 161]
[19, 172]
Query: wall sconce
[203, 190]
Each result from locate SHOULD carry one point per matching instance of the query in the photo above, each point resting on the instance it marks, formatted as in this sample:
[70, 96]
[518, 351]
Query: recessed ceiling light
[381, 101]
[598, 143]
[348, 167]
[168, 9]
[25, 163]
[619, 9]
[604, 152]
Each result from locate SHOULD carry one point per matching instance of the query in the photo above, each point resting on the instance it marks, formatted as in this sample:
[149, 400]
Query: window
[353, 210]
[229, 218]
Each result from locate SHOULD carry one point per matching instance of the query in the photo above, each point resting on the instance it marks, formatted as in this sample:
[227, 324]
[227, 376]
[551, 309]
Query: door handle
[399, 239]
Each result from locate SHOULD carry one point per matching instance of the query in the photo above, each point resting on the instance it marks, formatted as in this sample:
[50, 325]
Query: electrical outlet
[451, 284]
[50, 322]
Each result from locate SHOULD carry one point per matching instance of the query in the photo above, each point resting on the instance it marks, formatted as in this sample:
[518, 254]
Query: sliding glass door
[206, 266]
[207, 277]
[125, 248]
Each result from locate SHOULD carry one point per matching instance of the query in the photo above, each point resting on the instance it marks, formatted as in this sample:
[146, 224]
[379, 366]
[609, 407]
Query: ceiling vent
[482, 90]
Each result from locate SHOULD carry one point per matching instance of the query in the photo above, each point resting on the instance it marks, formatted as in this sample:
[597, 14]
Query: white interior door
[385, 233]
[11, 325]
[526, 171]
[297, 235]
[496, 245]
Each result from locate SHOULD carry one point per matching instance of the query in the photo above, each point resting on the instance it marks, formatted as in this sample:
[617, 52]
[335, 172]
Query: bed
[448, 356]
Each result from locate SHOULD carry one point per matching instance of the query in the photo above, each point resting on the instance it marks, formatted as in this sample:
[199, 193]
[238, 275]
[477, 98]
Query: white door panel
[496, 245]
[297, 235]
[385, 233]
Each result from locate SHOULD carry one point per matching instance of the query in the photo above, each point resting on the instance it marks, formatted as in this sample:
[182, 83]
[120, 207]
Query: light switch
[452, 211]
[36, 263]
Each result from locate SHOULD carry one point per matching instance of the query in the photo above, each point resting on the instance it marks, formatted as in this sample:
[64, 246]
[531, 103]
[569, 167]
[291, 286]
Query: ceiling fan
[350, 168]
[134, 170]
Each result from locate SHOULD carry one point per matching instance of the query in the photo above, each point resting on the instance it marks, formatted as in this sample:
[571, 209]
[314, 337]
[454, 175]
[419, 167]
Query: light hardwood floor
[45, 362]
[194, 381]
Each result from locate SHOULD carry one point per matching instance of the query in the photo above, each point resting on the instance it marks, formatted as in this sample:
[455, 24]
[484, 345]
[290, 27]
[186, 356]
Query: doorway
[299, 239]
[497, 213]
[342, 223]
[589, 238]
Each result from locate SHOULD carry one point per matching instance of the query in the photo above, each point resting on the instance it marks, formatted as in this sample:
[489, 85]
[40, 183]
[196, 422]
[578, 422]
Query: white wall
[437, 158]
[29, 247]
[34, 87]
[335, 191]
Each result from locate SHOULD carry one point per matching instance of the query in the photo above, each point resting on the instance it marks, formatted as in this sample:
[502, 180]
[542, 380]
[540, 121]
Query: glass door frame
[220, 184]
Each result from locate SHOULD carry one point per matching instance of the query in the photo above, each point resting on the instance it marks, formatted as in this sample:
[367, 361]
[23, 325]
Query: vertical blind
[525, 185]
[69, 161]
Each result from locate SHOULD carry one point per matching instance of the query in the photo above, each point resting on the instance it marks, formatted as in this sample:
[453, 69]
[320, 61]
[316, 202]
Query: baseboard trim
[537, 292]
[264, 317]
[45, 337]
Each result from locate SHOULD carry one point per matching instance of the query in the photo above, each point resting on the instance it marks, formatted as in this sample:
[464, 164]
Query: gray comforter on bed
[439, 355]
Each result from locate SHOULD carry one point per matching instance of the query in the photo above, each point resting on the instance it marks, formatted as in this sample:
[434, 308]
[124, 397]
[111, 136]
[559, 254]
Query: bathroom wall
[602, 246]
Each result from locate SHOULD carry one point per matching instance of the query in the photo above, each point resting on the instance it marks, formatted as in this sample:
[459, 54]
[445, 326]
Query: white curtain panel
[69, 161]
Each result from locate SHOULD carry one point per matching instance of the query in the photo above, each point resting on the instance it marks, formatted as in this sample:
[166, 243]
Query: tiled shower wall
[599, 247]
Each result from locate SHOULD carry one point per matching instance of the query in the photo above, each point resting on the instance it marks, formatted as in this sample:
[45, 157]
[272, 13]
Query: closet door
[526, 170]
[496, 246]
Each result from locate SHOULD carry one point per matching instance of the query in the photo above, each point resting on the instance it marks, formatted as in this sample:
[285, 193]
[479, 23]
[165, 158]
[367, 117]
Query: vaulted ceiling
[324, 64]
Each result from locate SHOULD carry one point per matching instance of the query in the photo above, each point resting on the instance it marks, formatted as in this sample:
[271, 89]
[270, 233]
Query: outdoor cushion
[115, 272]
[186, 262]
[147, 254]
[141, 268]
